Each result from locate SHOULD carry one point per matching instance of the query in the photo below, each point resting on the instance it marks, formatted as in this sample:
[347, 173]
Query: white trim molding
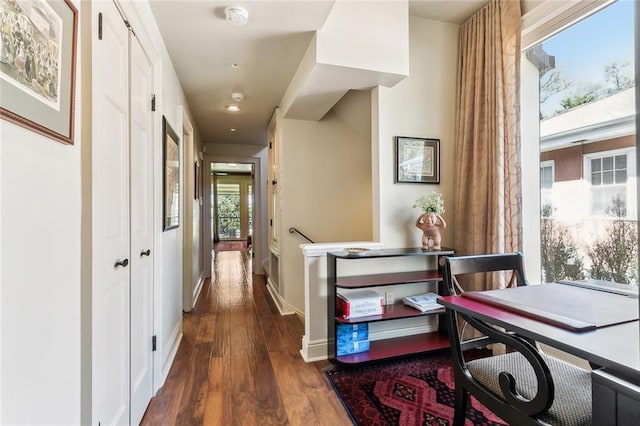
[314, 340]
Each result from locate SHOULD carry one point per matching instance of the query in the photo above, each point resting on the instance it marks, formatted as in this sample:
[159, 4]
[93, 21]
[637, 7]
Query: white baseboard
[313, 351]
[283, 307]
[197, 290]
[167, 362]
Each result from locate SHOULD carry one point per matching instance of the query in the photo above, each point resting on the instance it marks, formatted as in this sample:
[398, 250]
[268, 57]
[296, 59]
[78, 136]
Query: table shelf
[406, 273]
[398, 346]
[389, 312]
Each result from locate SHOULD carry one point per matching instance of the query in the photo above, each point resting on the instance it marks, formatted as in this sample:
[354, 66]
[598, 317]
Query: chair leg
[460, 406]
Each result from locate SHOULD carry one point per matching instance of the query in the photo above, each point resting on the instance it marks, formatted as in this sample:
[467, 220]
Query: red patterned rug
[230, 245]
[408, 392]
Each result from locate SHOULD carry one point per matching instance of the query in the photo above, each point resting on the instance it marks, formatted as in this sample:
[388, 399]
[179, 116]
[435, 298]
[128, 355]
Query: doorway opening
[232, 205]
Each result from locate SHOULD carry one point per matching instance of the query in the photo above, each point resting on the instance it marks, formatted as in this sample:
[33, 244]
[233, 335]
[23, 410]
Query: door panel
[111, 240]
[141, 79]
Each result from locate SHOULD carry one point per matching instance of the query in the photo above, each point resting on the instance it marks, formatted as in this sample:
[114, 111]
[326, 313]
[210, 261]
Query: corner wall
[422, 105]
[325, 184]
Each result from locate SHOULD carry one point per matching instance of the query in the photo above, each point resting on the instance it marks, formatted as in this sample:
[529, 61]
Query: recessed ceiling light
[233, 129]
[234, 65]
[233, 108]
[237, 15]
[237, 96]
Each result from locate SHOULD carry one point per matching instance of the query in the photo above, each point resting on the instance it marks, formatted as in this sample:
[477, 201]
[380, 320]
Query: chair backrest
[523, 358]
[486, 263]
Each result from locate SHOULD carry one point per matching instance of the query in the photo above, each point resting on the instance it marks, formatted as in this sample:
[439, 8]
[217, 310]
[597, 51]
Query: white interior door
[141, 89]
[111, 234]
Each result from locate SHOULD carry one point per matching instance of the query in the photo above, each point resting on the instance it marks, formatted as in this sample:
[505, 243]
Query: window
[607, 174]
[546, 185]
[579, 66]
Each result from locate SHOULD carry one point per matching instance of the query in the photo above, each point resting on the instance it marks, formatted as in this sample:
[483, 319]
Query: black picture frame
[417, 160]
[170, 177]
[41, 98]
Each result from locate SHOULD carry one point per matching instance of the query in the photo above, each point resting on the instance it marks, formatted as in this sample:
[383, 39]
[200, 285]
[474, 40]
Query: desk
[615, 348]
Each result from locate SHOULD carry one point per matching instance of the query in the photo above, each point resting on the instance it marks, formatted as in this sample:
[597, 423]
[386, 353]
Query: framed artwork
[197, 178]
[417, 160]
[171, 177]
[37, 65]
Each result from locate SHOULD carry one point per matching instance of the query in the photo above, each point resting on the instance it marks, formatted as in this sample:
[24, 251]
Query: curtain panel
[487, 216]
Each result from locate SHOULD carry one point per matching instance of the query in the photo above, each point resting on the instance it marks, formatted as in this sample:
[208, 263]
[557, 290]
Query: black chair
[522, 386]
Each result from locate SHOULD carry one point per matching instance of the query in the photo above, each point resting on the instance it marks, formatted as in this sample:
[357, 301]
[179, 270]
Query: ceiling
[214, 58]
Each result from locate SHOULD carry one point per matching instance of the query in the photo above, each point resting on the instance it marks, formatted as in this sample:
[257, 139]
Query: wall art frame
[37, 66]
[170, 177]
[417, 160]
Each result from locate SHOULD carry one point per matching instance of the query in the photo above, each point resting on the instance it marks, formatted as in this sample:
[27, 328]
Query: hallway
[239, 361]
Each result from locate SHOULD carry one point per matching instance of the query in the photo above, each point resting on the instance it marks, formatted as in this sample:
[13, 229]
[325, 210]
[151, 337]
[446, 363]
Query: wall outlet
[388, 298]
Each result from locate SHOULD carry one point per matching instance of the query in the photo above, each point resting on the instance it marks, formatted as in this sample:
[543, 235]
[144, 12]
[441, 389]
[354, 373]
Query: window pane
[586, 86]
[546, 177]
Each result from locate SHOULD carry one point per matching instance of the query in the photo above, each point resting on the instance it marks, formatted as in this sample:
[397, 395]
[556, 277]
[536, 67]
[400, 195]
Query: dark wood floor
[239, 361]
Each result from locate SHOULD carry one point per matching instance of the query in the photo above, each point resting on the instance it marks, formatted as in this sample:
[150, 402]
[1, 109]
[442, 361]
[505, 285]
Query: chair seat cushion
[572, 404]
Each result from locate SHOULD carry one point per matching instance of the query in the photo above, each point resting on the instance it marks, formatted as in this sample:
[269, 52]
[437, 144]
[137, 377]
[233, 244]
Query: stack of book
[423, 302]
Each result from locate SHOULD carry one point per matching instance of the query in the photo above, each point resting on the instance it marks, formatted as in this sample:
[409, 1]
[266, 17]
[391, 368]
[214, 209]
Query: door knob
[122, 263]
[147, 252]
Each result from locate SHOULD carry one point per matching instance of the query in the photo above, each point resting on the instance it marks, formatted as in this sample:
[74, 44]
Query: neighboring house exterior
[589, 152]
[587, 158]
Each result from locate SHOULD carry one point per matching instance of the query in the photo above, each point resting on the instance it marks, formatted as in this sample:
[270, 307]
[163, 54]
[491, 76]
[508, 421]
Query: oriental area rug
[230, 245]
[413, 391]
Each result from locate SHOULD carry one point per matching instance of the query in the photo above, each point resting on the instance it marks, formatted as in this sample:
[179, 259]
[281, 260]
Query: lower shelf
[389, 348]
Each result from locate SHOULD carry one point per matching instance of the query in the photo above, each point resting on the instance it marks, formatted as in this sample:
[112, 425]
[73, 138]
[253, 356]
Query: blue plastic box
[352, 332]
[353, 347]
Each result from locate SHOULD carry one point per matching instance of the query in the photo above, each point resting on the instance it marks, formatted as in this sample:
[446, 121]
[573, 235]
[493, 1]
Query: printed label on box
[350, 307]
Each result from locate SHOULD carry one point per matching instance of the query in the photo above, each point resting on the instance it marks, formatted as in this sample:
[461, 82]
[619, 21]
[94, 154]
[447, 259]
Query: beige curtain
[487, 186]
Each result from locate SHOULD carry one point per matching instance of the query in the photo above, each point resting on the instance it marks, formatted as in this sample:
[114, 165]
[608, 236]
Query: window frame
[538, 24]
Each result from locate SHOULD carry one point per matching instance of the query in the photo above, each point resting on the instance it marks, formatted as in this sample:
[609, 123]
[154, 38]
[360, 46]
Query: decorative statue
[431, 221]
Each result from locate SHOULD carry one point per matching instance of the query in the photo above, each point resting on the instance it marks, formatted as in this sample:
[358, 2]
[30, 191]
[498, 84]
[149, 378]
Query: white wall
[380, 42]
[325, 184]
[422, 105]
[40, 193]
[530, 146]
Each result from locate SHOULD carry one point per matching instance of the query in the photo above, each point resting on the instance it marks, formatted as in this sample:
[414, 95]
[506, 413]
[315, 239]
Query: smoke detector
[237, 15]
[237, 96]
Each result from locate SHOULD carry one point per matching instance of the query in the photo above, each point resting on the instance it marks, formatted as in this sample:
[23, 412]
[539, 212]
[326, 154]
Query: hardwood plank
[218, 407]
[196, 387]
[239, 361]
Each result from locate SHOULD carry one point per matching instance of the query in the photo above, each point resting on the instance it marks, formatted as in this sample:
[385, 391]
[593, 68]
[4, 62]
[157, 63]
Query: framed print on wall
[171, 177]
[417, 160]
[37, 65]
